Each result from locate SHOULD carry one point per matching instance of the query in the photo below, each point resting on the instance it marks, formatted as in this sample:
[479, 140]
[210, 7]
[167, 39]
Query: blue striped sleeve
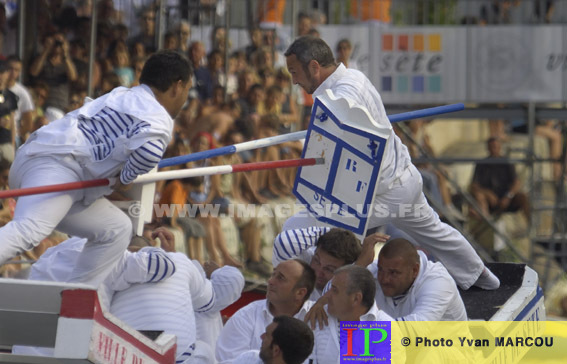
[209, 305]
[163, 266]
[142, 160]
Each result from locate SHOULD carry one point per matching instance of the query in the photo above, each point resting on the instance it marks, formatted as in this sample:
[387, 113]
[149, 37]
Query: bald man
[412, 288]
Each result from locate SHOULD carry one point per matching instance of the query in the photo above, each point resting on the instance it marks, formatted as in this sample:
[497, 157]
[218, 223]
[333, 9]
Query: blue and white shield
[341, 191]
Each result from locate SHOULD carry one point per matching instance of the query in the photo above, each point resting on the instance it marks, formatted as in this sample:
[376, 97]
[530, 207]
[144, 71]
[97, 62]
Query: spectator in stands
[171, 41]
[351, 298]
[183, 31]
[175, 196]
[238, 189]
[215, 67]
[8, 204]
[203, 84]
[496, 187]
[23, 117]
[543, 10]
[286, 340]
[205, 191]
[288, 292]
[434, 180]
[344, 52]
[120, 59]
[303, 24]
[147, 34]
[55, 67]
[410, 287]
[497, 12]
[40, 92]
[324, 249]
[8, 108]
[255, 43]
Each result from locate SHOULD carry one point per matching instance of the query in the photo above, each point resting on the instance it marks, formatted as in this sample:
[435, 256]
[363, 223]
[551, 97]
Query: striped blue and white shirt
[169, 305]
[121, 134]
[105, 128]
[297, 243]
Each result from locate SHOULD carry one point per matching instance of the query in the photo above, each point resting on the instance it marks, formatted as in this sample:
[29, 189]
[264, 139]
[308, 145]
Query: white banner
[516, 64]
[424, 65]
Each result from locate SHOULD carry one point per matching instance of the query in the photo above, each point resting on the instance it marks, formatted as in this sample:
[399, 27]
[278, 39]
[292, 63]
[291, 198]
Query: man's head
[494, 147]
[398, 266]
[168, 72]
[291, 283]
[15, 69]
[352, 292]
[303, 24]
[336, 248]
[287, 339]
[148, 21]
[309, 61]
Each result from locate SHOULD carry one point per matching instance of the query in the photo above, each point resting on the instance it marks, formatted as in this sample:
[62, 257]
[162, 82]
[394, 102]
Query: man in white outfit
[120, 135]
[410, 287]
[351, 298]
[286, 340]
[323, 248]
[311, 64]
[23, 118]
[288, 290]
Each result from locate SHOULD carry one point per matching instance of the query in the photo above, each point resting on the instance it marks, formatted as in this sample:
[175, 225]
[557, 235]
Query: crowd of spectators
[254, 99]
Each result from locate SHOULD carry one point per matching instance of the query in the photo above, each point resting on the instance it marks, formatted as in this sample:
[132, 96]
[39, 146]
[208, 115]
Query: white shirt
[327, 345]
[249, 357]
[168, 305]
[433, 296]
[227, 283]
[242, 331]
[25, 102]
[354, 85]
[300, 244]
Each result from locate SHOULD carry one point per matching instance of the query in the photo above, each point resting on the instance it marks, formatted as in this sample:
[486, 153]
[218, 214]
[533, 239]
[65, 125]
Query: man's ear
[314, 67]
[276, 351]
[300, 293]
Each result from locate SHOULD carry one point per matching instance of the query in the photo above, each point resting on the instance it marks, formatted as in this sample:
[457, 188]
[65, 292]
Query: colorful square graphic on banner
[366, 341]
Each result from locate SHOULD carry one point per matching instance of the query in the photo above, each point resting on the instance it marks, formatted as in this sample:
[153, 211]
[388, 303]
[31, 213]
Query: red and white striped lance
[160, 176]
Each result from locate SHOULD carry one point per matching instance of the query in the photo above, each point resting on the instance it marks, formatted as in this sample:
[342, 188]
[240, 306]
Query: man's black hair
[164, 68]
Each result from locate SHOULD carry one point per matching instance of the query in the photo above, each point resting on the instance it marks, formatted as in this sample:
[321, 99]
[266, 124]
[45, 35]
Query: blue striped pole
[298, 135]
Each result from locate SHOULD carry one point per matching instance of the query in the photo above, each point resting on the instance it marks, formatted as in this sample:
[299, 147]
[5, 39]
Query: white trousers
[107, 229]
[405, 206]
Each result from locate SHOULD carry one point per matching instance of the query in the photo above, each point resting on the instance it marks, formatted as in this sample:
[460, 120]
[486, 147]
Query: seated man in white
[153, 290]
[170, 306]
[148, 265]
[287, 340]
[288, 290]
[410, 287]
[325, 250]
[350, 298]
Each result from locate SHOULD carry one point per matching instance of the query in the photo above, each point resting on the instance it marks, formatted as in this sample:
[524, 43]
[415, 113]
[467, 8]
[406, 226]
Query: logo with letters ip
[366, 342]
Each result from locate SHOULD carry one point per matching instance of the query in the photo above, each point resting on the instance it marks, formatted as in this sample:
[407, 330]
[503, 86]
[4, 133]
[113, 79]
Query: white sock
[487, 280]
